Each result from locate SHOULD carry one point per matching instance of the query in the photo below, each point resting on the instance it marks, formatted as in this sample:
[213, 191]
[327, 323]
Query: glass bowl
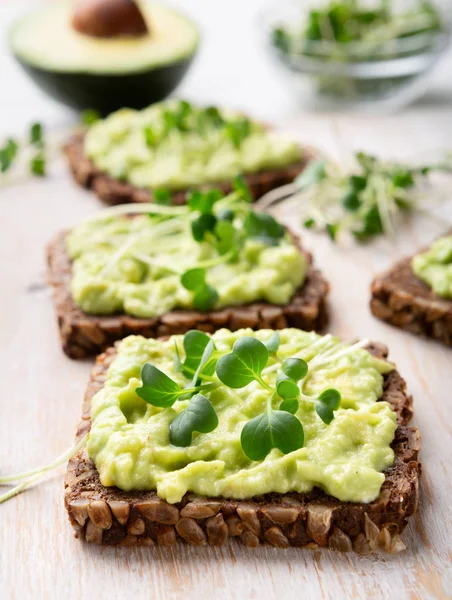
[358, 74]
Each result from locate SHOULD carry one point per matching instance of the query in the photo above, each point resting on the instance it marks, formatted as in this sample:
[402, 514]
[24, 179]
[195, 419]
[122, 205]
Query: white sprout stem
[383, 208]
[156, 263]
[35, 474]
[344, 352]
[300, 354]
[118, 255]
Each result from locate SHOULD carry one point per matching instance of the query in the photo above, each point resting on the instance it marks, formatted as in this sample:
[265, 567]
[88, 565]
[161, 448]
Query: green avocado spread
[129, 438]
[434, 267]
[176, 145]
[134, 266]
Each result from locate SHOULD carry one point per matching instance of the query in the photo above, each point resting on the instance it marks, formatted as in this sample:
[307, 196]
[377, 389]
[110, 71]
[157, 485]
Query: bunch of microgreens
[184, 117]
[364, 202]
[352, 27]
[274, 428]
[223, 222]
[10, 151]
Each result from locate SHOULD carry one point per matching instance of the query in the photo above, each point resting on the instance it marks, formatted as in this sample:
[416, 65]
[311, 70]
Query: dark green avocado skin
[107, 92]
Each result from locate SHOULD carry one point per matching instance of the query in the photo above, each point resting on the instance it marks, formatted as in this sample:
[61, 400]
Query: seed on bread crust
[159, 511]
[191, 531]
[100, 514]
[217, 530]
[319, 519]
[275, 536]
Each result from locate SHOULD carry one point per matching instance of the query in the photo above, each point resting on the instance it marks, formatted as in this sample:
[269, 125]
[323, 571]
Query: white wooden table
[41, 389]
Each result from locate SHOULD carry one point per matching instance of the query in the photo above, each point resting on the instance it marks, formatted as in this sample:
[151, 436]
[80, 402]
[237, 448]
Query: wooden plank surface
[41, 399]
[42, 389]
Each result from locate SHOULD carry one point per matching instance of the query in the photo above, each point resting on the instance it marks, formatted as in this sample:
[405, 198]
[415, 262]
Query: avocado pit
[108, 18]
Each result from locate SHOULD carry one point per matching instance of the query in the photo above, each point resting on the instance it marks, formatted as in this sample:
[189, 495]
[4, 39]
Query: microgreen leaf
[199, 416]
[357, 182]
[287, 388]
[205, 298]
[225, 234]
[314, 172]
[290, 405]
[309, 223]
[241, 188]
[38, 165]
[204, 223]
[263, 226]
[36, 134]
[90, 116]
[208, 350]
[329, 401]
[332, 230]
[402, 178]
[193, 278]
[351, 200]
[195, 344]
[273, 342]
[295, 368]
[237, 131]
[150, 136]
[274, 429]
[158, 389]
[244, 364]
[162, 196]
[214, 116]
[204, 201]
[371, 226]
[8, 154]
[225, 215]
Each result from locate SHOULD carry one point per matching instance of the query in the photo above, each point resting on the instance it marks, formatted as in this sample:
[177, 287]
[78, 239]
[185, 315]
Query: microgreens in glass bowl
[348, 53]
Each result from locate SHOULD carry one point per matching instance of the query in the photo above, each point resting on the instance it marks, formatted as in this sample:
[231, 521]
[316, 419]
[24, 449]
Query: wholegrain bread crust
[111, 516]
[112, 191]
[400, 298]
[85, 335]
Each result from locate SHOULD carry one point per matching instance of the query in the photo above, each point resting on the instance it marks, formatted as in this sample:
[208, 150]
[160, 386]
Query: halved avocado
[83, 71]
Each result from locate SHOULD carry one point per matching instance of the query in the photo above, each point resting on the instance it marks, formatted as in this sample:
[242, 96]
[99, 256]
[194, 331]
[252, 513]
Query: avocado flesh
[46, 39]
[105, 74]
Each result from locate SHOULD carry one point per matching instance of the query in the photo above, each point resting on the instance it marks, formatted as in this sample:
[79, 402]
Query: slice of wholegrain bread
[400, 298]
[110, 516]
[113, 191]
[85, 335]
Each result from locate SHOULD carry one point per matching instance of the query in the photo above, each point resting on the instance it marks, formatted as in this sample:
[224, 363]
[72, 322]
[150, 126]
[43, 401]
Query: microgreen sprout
[30, 477]
[7, 154]
[364, 202]
[199, 416]
[32, 150]
[204, 295]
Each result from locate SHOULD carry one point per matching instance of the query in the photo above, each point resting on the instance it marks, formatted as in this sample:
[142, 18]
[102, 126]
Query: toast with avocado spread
[210, 264]
[160, 153]
[174, 457]
[416, 293]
